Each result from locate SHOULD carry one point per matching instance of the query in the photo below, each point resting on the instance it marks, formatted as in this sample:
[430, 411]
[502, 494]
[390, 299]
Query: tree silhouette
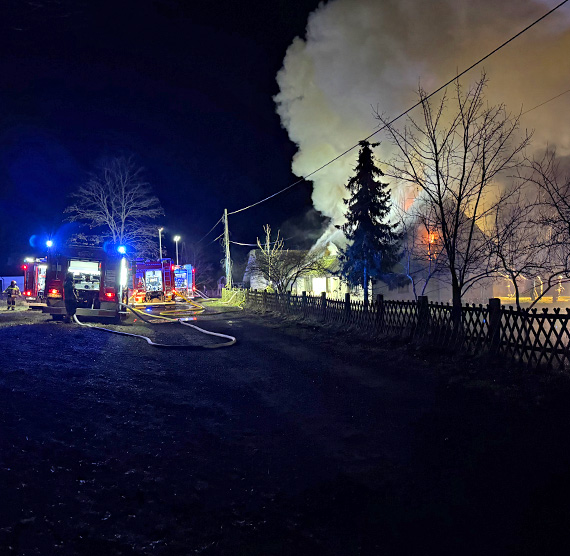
[456, 153]
[373, 240]
[118, 203]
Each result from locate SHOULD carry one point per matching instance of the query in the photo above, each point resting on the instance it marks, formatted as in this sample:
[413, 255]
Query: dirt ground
[298, 440]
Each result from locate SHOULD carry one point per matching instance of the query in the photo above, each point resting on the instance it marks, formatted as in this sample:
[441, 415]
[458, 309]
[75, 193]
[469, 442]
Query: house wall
[315, 285]
[436, 291]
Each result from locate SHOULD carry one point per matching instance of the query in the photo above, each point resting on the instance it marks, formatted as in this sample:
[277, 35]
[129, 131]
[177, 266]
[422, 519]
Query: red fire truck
[185, 280]
[152, 281]
[34, 279]
[100, 278]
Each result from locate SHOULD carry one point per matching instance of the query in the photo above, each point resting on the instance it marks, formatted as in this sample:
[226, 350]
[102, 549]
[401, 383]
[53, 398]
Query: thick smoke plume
[364, 55]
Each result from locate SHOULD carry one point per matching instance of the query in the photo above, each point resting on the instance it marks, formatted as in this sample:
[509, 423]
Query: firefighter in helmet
[12, 291]
[69, 297]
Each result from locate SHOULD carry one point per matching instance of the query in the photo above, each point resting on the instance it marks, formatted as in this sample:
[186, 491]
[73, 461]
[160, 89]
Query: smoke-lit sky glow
[361, 55]
[225, 103]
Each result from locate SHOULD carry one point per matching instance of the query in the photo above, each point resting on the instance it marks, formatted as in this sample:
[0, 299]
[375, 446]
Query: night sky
[184, 87]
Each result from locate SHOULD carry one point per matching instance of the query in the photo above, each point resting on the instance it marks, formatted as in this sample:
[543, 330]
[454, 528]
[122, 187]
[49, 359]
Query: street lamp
[176, 240]
[49, 243]
[160, 243]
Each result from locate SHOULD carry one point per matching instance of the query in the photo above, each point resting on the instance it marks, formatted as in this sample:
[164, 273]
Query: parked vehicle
[34, 279]
[100, 278]
[185, 280]
[152, 281]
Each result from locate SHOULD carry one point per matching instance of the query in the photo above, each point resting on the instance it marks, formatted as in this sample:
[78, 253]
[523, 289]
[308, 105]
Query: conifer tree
[372, 240]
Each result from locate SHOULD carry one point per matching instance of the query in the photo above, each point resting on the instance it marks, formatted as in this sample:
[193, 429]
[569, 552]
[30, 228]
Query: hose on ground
[182, 321]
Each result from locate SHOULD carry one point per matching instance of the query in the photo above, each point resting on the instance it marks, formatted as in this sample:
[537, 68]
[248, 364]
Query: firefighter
[69, 297]
[12, 291]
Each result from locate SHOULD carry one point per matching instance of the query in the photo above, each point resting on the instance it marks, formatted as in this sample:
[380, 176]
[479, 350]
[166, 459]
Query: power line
[245, 244]
[211, 230]
[545, 102]
[220, 236]
[304, 178]
[264, 243]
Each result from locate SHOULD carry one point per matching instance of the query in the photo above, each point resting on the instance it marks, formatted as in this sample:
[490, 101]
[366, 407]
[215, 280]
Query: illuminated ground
[296, 441]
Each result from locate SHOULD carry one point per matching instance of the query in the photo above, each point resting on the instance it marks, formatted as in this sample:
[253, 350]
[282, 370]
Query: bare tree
[118, 203]
[554, 217]
[423, 254]
[455, 154]
[282, 267]
[520, 241]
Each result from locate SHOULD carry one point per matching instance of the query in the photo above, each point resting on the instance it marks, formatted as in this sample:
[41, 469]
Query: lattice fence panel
[531, 337]
[313, 307]
[398, 318]
[537, 339]
[475, 328]
[336, 311]
[440, 327]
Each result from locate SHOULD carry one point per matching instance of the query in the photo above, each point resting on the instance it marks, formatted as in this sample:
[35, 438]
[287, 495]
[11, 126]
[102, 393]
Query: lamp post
[176, 240]
[160, 243]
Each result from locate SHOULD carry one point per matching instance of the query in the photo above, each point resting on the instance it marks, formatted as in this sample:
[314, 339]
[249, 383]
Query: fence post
[494, 324]
[423, 316]
[304, 304]
[324, 305]
[379, 312]
[347, 306]
[264, 300]
[288, 310]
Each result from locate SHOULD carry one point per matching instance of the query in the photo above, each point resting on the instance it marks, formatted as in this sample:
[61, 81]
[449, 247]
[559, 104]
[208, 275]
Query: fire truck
[100, 278]
[34, 279]
[152, 281]
[185, 280]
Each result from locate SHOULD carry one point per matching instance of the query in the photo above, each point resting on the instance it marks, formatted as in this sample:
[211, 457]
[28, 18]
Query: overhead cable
[211, 230]
[264, 243]
[304, 178]
[545, 102]
[221, 235]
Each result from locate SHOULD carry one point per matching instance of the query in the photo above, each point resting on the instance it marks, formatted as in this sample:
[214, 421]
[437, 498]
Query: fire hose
[182, 321]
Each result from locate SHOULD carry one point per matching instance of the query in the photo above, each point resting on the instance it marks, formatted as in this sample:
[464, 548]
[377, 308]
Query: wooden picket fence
[533, 338]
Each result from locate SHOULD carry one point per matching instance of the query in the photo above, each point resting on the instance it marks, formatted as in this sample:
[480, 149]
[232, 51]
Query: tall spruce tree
[372, 240]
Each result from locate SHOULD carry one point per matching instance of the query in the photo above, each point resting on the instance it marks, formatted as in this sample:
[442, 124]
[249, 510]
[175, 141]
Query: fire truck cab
[34, 279]
[100, 279]
[152, 281]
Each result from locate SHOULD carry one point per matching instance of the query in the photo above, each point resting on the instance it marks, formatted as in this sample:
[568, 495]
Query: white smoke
[362, 55]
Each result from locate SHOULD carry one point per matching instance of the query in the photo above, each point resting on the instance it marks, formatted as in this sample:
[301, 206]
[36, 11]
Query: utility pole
[227, 247]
